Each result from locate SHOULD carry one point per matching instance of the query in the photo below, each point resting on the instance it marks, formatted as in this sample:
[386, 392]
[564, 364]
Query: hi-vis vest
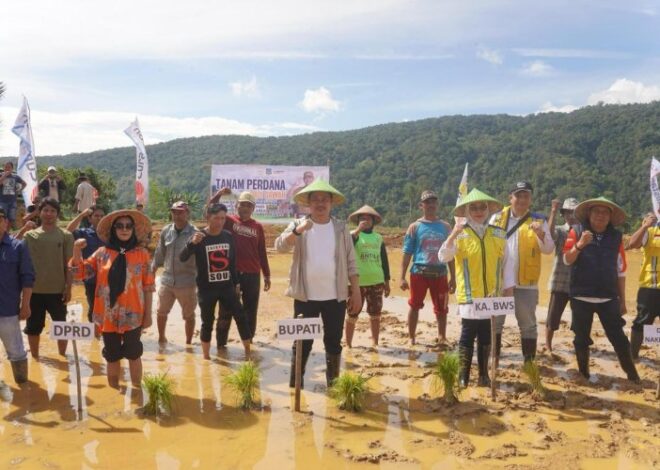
[529, 253]
[479, 263]
[648, 276]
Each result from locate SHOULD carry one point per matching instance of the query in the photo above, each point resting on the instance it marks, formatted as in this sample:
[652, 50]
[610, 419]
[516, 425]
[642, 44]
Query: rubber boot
[636, 340]
[627, 364]
[466, 364]
[528, 349]
[292, 373]
[332, 364]
[582, 356]
[483, 355]
[498, 349]
[20, 370]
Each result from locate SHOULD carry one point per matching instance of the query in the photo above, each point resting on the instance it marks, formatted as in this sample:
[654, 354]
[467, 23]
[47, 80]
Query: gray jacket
[344, 260]
[170, 245]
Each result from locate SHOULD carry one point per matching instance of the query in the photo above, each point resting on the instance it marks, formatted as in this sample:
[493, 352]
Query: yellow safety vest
[529, 253]
[479, 263]
[648, 276]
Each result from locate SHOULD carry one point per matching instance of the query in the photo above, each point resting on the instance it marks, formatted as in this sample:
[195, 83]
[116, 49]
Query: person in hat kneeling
[124, 290]
[373, 268]
[323, 265]
[598, 284]
[483, 269]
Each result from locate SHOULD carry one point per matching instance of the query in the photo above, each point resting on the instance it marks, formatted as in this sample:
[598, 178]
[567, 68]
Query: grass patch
[245, 384]
[446, 374]
[533, 374]
[160, 389]
[349, 391]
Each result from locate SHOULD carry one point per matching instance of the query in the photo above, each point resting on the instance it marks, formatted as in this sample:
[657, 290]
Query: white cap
[51, 168]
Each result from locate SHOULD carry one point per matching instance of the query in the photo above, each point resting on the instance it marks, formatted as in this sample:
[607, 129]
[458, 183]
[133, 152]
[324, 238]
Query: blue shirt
[16, 273]
[93, 244]
[423, 241]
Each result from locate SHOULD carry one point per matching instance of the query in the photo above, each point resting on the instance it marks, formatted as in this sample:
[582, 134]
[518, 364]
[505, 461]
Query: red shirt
[250, 245]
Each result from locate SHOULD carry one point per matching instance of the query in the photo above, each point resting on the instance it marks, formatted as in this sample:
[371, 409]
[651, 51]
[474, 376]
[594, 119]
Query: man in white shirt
[528, 235]
[85, 195]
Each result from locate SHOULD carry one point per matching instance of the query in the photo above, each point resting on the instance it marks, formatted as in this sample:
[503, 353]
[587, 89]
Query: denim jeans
[12, 339]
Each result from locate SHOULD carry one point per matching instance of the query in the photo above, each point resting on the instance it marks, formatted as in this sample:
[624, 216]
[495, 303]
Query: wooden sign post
[299, 329]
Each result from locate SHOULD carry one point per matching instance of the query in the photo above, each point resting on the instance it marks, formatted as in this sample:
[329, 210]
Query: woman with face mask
[482, 270]
[125, 284]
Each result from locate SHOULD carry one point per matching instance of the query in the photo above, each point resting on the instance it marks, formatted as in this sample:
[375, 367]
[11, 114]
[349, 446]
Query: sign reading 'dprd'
[651, 334]
[487, 307]
[71, 331]
[305, 328]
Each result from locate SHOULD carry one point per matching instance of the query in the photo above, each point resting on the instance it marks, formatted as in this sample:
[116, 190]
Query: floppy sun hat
[477, 196]
[142, 224]
[321, 187]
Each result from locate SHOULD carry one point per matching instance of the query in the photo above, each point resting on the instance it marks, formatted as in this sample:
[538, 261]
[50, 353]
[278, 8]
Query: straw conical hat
[142, 224]
[582, 210]
[319, 186]
[477, 196]
[365, 210]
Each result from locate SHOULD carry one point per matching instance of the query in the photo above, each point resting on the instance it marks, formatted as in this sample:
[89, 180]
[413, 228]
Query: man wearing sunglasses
[16, 281]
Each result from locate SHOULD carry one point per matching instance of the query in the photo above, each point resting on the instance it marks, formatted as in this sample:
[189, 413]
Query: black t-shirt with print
[215, 257]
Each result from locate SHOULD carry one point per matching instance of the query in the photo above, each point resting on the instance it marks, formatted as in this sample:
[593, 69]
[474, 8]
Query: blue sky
[288, 67]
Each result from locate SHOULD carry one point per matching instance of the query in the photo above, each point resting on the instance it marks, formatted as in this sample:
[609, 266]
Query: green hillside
[592, 151]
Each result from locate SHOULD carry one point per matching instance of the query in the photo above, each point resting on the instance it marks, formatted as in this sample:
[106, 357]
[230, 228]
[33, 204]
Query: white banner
[655, 190]
[71, 331]
[272, 186]
[493, 306]
[27, 165]
[462, 192]
[306, 328]
[142, 164]
[651, 334]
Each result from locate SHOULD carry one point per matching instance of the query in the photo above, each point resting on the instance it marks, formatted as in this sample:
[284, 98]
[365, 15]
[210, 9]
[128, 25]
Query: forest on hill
[597, 150]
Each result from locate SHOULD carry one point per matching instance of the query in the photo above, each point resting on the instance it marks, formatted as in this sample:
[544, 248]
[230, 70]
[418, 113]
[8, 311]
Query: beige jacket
[344, 260]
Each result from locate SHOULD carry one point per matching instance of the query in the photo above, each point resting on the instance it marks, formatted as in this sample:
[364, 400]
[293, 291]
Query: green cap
[319, 186]
[477, 196]
[582, 210]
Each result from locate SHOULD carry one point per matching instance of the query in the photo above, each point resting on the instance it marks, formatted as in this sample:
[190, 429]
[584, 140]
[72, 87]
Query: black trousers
[250, 288]
[90, 290]
[474, 328]
[648, 307]
[610, 317]
[229, 307]
[332, 314]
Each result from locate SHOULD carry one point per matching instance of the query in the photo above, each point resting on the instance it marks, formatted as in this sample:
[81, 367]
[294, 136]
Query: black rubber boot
[498, 349]
[466, 364]
[636, 340]
[332, 364]
[483, 355]
[582, 356]
[528, 349]
[20, 370]
[627, 364]
[292, 373]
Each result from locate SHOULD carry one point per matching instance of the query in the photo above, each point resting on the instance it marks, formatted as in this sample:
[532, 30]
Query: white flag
[655, 190]
[462, 192]
[142, 164]
[27, 165]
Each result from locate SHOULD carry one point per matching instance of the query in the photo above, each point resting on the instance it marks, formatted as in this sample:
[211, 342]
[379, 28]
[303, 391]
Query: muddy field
[604, 423]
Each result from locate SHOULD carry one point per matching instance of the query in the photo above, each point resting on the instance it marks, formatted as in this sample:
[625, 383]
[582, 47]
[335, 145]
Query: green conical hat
[582, 210]
[319, 186]
[477, 196]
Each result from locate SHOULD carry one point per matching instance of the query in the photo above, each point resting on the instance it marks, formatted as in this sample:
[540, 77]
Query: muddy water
[600, 425]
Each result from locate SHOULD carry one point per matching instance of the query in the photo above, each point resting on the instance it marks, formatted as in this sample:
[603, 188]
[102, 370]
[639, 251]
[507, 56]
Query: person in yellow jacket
[646, 237]
[483, 269]
[528, 236]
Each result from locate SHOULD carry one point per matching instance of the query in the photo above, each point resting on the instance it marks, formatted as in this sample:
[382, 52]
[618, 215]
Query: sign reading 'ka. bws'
[493, 306]
[304, 328]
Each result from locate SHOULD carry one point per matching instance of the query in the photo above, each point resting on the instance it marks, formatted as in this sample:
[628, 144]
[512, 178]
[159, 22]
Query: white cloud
[548, 107]
[85, 131]
[248, 88]
[538, 68]
[571, 53]
[624, 91]
[490, 55]
[319, 101]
